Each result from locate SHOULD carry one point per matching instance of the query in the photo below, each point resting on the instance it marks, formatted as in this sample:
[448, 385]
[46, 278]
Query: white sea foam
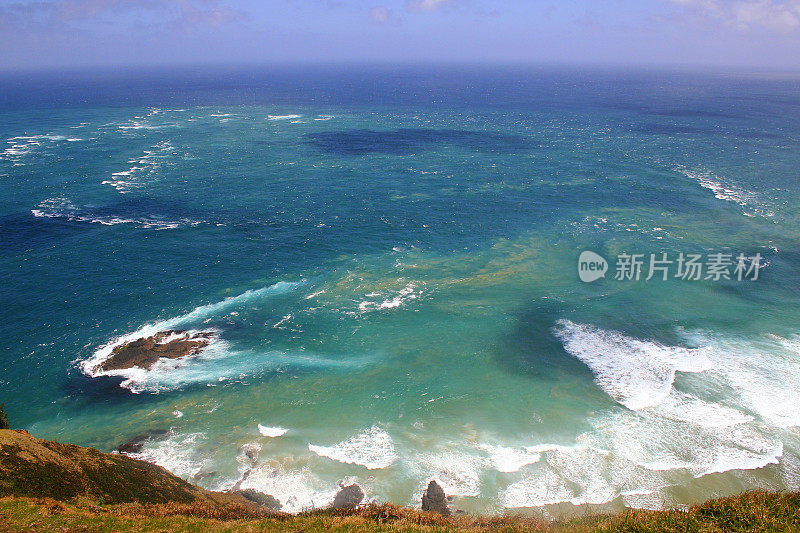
[728, 191]
[179, 453]
[21, 146]
[683, 407]
[372, 448]
[602, 224]
[144, 169]
[635, 373]
[280, 323]
[283, 117]
[762, 374]
[315, 294]
[138, 125]
[579, 475]
[272, 431]
[459, 467]
[143, 122]
[247, 459]
[685, 433]
[546, 489]
[393, 301]
[296, 490]
[508, 459]
[640, 374]
[633, 455]
[63, 208]
[38, 138]
[457, 471]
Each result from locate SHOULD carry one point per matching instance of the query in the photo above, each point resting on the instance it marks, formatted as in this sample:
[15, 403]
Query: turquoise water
[390, 260]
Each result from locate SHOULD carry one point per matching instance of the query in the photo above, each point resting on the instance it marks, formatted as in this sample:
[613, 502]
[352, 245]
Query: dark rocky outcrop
[264, 500]
[145, 352]
[251, 457]
[348, 497]
[136, 444]
[435, 500]
[3, 418]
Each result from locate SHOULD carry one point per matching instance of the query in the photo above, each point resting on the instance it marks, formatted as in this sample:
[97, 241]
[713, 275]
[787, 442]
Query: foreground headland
[49, 486]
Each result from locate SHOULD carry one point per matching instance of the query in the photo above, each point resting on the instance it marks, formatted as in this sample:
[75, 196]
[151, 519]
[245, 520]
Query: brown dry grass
[749, 512]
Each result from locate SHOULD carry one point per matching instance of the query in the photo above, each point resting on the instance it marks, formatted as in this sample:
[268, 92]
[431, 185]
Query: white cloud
[425, 5]
[172, 15]
[780, 15]
[380, 15]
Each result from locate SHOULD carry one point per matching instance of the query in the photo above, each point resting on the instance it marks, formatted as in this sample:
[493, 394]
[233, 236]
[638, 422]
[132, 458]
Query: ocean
[389, 258]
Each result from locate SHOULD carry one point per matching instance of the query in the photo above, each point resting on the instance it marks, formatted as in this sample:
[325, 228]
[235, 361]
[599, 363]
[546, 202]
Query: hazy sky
[122, 32]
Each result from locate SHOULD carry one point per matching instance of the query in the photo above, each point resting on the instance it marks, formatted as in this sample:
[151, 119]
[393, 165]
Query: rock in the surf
[136, 444]
[145, 352]
[348, 497]
[250, 461]
[435, 500]
[264, 500]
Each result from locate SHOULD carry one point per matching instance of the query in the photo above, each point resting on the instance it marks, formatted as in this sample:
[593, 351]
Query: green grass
[750, 512]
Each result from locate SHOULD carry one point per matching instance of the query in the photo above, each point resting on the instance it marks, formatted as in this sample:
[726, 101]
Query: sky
[719, 33]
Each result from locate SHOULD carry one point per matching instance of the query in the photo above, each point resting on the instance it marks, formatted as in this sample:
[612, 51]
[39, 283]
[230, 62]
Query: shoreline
[45, 485]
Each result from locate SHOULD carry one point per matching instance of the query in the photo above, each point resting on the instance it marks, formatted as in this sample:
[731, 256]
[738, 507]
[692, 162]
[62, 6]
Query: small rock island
[145, 352]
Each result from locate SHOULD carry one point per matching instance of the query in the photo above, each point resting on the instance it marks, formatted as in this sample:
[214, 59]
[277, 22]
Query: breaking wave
[178, 453]
[296, 489]
[635, 373]
[372, 448]
[272, 432]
